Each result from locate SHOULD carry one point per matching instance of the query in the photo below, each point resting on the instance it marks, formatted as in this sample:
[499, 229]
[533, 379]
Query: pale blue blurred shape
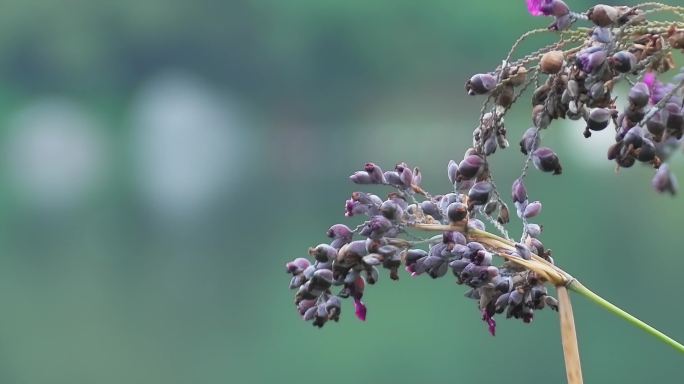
[56, 153]
[186, 145]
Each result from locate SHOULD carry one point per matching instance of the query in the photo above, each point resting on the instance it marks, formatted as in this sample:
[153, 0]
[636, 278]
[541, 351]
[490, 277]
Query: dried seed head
[552, 62]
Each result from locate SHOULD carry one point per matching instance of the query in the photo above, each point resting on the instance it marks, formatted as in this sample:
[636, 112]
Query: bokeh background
[161, 160]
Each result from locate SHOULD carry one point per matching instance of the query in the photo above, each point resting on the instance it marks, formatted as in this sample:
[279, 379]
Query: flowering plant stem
[552, 273]
[577, 287]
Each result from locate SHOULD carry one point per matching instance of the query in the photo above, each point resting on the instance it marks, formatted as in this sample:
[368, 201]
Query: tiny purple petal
[534, 7]
[486, 316]
[360, 309]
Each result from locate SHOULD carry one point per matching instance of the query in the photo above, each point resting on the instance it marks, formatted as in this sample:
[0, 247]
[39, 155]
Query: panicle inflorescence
[574, 79]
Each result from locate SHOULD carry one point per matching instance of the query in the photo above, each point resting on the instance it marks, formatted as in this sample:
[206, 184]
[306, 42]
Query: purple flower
[360, 309]
[534, 7]
[487, 317]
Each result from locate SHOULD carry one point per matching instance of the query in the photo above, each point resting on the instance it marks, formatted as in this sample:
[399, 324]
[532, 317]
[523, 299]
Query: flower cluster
[574, 79]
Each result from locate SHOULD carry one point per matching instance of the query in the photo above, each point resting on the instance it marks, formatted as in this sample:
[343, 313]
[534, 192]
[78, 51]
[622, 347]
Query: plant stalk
[577, 287]
[573, 368]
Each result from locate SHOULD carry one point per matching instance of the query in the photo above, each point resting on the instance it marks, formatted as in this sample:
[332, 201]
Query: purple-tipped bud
[479, 193]
[375, 173]
[491, 324]
[534, 7]
[393, 178]
[518, 191]
[297, 265]
[490, 145]
[470, 167]
[453, 237]
[591, 59]
[529, 141]
[656, 126]
[639, 95]
[623, 61]
[361, 177]
[545, 160]
[532, 209]
[360, 309]
[634, 137]
[664, 180]
[480, 84]
[476, 224]
[391, 210]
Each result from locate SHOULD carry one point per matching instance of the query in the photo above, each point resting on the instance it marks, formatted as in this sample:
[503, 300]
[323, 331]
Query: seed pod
[556, 8]
[452, 170]
[602, 35]
[675, 120]
[430, 208]
[552, 62]
[517, 76]
[479, 193]
[470, 167]
[375, 173]
[391, 210]
[457, 212]
[676, 38]
[518, 191]
[490, 145]
[656, 126]
[530, 140]
[505, 96]
[323, 253]
[614, 150]
[480, 84]
[626, 161]
[623, 61]
[532, 209]
[639, 95]
[545, 160]
[603, 15]
[533, 230]
[647, 152]
[503, 217]
[664, 180]
[634, 137]
[361, 177]
[591, 59]
[599, 118]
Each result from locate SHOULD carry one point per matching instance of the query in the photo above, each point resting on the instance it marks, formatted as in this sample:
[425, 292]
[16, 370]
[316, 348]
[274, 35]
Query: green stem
[576, 286]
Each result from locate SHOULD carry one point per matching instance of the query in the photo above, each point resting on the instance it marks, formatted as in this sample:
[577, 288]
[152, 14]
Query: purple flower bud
[452, 170]
[534, 7]
[518, 191]
[523, 251]
[623, 61]
[490, 145]
[479, 193]
[545, 160]
[664, 180]
[502, 302]
[599, 118]
[639, 95]
[453, 237]
[457, 211]
[533, 230]
[530, 140]
[476, 224]
[480, 84]
[634, 137]
[323, 253]
[533, 209]
[556, 8]
[430, 208]
[656, 126]
[602, 35]
[391, 210]
[393, 178]
[470, 167]
[297, 265]
[647, 151]
[417, 176]
[375, 173]
[361, 177]
[591, 59]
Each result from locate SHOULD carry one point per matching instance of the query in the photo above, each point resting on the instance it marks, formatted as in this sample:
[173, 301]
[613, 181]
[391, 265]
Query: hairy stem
[576, 286]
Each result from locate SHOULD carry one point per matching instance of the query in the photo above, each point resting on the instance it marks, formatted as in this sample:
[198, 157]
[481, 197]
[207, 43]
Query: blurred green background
[161, 160]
